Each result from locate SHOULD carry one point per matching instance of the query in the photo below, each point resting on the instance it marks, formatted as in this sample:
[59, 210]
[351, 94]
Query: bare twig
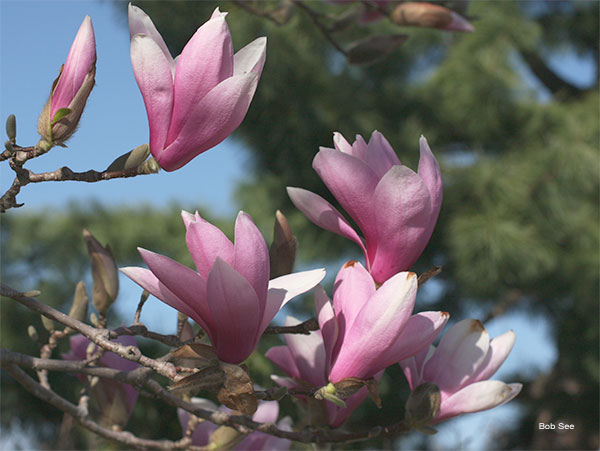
[315, 16]
[142, 330]
[304, 328]
[431, 272]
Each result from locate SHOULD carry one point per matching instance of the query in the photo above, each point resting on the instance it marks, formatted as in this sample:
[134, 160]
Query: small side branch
[304, 328]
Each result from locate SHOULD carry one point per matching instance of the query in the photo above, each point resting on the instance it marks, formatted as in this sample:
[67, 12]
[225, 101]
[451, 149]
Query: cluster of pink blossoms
[195, 101]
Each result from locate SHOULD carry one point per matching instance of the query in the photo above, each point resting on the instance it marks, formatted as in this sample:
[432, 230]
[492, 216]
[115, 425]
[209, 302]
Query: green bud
[131, 159]
[151, 166]
[104, 273]
[81, 300]
[224, 437]
[329, 393]
[11, 128]
[32, 332]
[94, 319]
[48, 324]
[91, 347]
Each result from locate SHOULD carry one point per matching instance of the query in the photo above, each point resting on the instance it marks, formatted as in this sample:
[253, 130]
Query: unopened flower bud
[282, 251]
[32, 332]
[11, 128]
[79, 307]
[225, 437]
[48, 324]
[423, 405]
[104, 273]
[131, 159]
[91, 347]
[150, 166]
[423, 14]
[94, 319]
[69, 93]
[329, 393]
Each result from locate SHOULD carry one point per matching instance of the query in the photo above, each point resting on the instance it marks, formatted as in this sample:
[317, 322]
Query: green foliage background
[519, 224]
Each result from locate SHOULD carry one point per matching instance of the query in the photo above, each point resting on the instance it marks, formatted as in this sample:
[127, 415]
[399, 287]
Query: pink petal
[235, 311]
[352, 183]
[205, 243]
[189, 218]
[206, 60]
[327, 323]
[149, 282]
[251, 257]
[458, 356]
[459, 23]
[323, 214]
[140, 23]
[267, 412]
[185, 283]
[380, 156]
[338, 415]
[498, 351]
[359, 148]
[284, 288]
[402, 209]
[282, 357]
[251, 58]
[376, 328]
[212, 120]
[308, 352]
[418, 334]
[411, 372]
[341, 143]
[81, 58]
[429, 171]
[153, 75]
[476, 397]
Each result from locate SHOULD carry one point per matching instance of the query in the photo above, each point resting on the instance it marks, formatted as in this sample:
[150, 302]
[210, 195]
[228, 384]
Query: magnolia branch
[304, 328]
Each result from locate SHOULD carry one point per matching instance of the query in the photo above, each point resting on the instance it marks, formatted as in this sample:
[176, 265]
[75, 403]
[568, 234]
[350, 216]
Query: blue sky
[35, 37]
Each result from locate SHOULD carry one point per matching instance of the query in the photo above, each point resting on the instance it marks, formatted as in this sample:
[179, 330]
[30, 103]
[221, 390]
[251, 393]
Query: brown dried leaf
[195, 351]
[209, 378]
[237, 391]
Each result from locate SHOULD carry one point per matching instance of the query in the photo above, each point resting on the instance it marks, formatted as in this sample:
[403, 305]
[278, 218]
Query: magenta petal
[476, 397]
[206, 60]
[282, 357]
[323, 214]
[149, 282]
[205, 243]
[418, 334]
[458, 356]
[80, 60]
[380, 156]
[429, 171]
[212, 120]
[498, 351]
[402, 208]
[308, 352]
[338, 415]
[185, 283]
[327, 323]
[153, 75]
[352, 183]
[376, 328]
[235, 311]
[284, 288]
[251, 257]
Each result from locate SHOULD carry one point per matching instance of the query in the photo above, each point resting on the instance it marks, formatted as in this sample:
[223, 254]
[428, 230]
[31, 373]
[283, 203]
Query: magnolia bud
[11, 128]
[48, 324]
[150, 166]
[225, 437]
[131, 159]
[373, 48]
[79, 307]
[282, 252]
[422, 406]
[32, 332]
[423, 14]
[104, 273]
[94, 319]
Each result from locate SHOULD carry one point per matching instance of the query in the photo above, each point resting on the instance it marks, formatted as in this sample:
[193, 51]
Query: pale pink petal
[418, 333]
[359, 148]
[459, 23]
[282, 357]
[81, 58]
[341, 143]
[153, 75]
[205, 243]
[327, 322]
[376, 328]
[284, 288]
[140, 23]
[308, 352]
[323, 214]
[206, 60]
[476, 397]
[458, 356]
[352, 183]
[402, 214]
[338, 415]
[251, 257]
[250, 58]
[148, 281]
[429, 171]
[189, 218]
[212, 120]
[267, 412]
[235, 308]
[411, 372]
[380, 156]
[498, 351]
[185, 283]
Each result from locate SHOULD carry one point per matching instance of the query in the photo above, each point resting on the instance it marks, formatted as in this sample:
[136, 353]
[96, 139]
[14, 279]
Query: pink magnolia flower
[267, 412]
[111, 393]
[230, 295]
[460, 366]
[363, 332]
[395, 208]
[199, 98]
[72, 87]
